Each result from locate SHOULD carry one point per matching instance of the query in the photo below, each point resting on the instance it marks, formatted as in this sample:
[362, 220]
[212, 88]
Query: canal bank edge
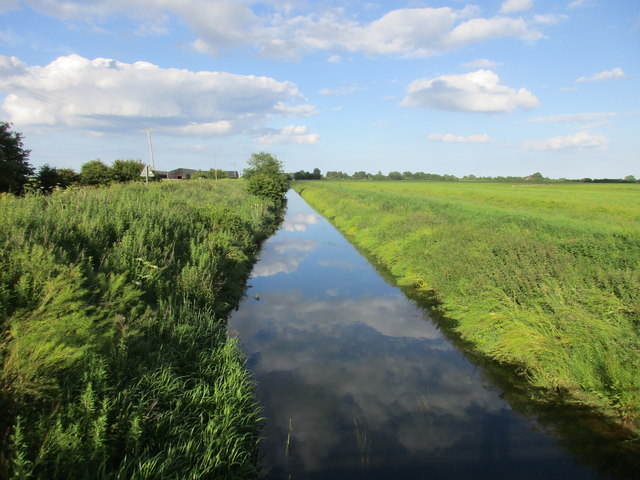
[324, 200]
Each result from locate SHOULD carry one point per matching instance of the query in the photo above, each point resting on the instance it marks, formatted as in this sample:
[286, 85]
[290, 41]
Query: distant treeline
[434, 177]
[302, 175]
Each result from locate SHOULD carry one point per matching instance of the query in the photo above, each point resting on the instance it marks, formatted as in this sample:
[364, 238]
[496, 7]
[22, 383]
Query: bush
[126, 170]
[270, 187]
[95, 173]
[266, 177]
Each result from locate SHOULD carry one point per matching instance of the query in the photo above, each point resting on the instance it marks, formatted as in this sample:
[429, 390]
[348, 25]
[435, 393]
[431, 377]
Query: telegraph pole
[153, 163]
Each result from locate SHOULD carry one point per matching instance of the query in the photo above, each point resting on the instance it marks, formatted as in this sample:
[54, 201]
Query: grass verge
[544, 278]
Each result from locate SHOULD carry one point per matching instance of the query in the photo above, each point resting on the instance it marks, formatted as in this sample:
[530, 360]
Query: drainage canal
[356, 381]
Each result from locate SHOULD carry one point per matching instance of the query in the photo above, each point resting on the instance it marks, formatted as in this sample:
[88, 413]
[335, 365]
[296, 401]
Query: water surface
[357, 382]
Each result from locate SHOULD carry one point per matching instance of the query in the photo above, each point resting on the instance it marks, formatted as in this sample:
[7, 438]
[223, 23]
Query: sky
[487, 88]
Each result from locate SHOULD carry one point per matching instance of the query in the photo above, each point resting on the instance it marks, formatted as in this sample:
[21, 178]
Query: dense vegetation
[211, 174]
[542, 277]
[265, 177]
[115, 358]
[14, 160]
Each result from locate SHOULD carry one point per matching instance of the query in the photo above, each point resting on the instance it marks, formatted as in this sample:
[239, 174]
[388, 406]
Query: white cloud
[511, 6]
[153, 28]
[606, 75]
[223, 24]
[86, 9]
[334, 59]
[7, 5]
[208, 129]
[577, 4]
[10, 66]
[302, 110]
[290, 134]
[104, 94]
[483, 29]
[477, 91]
[218, 24]
[580, 140]
[481, 63]
[549, 19]
[574, 117]
[346, 90]
[451, 138]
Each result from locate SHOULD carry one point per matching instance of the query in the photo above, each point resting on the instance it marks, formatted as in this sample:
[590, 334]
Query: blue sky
[486, 88]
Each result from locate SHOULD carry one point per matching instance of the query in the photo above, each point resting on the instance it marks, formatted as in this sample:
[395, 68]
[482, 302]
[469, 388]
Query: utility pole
[153, 163]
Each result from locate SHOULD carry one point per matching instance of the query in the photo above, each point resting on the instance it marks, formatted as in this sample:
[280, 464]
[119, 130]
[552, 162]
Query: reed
[544, 278]
[115, 358]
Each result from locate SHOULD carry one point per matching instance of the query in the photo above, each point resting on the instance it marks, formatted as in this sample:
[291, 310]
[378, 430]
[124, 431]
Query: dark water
[357, 382]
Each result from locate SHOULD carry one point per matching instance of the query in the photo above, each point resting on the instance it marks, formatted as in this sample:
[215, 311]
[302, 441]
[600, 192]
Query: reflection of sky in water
[371, 388]
[299, 222]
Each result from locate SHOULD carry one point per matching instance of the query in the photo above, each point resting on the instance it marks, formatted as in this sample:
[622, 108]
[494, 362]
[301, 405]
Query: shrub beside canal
[115, 357]
[545, 278]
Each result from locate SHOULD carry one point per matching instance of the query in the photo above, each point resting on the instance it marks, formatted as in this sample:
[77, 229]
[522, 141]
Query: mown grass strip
[115, 358]
[545, 278]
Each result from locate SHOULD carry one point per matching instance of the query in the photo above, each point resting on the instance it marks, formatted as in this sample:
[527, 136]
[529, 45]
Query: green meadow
[115, 357]
[543, 278]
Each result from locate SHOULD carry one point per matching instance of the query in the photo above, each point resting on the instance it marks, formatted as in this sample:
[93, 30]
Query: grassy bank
[115, 358]
[542, 277]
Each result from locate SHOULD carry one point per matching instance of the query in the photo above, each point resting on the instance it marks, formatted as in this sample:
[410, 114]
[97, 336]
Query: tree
[95, 173]
[199, 174]
[537, 177]
[395, 176]
[68, 177]
[216, 174]
[126, 170]
[47, 178]
[14, 160]
[360, 175]
[266, 176]
[339, 174]
[211, 174]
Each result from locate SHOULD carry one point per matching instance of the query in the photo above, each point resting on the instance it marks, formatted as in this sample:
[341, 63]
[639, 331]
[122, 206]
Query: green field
[545, 278]
[115, 356]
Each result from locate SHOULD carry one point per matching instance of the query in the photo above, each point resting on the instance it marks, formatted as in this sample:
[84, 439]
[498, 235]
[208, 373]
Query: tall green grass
[545, 278]
[115, 358]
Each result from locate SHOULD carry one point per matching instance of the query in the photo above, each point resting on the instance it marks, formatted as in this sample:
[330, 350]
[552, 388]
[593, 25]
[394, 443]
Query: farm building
[186, 173]
[180, 173]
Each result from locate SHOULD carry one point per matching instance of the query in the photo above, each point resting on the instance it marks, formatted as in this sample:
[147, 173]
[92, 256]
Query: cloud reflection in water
[364, 377]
